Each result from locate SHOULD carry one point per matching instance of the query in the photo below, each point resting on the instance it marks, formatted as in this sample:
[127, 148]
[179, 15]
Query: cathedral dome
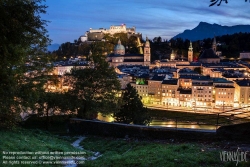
[119, 48]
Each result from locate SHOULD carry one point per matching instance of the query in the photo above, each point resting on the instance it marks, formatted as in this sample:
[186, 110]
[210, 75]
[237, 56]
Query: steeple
[214, 45]
[147, 44]
[190, 47]
[147, 53]
[119, 42]
[190, 52]
[214, 41]
[172, 56]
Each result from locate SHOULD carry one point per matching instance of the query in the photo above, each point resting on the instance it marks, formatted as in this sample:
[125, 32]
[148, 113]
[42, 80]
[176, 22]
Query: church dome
[119, 48]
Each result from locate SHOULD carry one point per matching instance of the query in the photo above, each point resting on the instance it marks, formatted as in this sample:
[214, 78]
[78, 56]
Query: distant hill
[53, 47]
[206, 30]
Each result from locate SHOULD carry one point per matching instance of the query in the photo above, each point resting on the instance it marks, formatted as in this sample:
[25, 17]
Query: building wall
[224, 96]
[202, 95]
[190, 56]
[211, 72]
[245, 55]
[185, 100]
[154, 91]
[244, 96]
[61, 70]
[118, 59]
[114, 29]
[210, 60]
[185, 83]
[115, 64]
[169, 95]
[142, 90]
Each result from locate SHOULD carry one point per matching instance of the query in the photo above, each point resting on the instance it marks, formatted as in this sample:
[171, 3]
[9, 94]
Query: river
[167, 123]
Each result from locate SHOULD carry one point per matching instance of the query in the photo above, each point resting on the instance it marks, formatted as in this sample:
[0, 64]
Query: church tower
[190, 52]
[214, 46]
[147, 53]
[172, 56]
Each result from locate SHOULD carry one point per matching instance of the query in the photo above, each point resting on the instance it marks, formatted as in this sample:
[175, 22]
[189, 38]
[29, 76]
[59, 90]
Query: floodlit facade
[169, 91]
[119, 57]
[242, 92]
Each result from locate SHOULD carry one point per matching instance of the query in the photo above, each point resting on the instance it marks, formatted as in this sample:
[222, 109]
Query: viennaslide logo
[235, 156]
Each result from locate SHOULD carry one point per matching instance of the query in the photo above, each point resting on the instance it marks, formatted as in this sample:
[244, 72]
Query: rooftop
[208, 54]
[157, 78]
[170, 82]
[244, 82]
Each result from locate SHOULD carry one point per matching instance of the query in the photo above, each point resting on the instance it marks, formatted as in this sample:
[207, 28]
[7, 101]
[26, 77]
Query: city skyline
[71, 19]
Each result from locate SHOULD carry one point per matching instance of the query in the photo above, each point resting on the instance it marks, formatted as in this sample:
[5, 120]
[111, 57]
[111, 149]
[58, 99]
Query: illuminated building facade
[169, 90]
[119, 57]
[242, 92]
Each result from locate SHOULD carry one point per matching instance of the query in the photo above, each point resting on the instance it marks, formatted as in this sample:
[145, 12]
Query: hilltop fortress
[98, 34]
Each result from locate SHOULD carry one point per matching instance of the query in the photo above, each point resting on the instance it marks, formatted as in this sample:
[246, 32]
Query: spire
[214, 41]
[119, 42]
[214, 45]
[147, 44]
[190, 47]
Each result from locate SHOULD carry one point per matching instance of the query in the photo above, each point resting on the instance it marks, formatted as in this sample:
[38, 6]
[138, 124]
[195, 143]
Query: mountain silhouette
[206, 30]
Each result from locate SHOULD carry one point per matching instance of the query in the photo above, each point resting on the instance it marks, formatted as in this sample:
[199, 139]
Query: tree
[132, 110]
[23, 40]
[51, 101]
[95, 88]
[219, 2]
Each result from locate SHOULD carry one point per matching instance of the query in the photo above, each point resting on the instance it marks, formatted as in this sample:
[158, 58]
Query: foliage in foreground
[131, 153]
[94, 88]
[23, 41]
[132, 110]
[218, 2]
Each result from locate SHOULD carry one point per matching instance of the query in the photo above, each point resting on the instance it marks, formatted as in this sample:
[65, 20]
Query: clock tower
[147, 53]
[190, 52]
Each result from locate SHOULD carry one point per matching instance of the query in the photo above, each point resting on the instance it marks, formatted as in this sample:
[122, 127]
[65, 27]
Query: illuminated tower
[147, 54]
[172, 56]
[190, 52]
[214, 45]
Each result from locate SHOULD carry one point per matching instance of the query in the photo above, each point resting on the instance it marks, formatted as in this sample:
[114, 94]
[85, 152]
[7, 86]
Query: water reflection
[163, 123]
[182, 124]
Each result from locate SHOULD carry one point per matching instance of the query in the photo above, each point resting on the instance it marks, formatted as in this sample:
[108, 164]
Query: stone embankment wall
[81, 126]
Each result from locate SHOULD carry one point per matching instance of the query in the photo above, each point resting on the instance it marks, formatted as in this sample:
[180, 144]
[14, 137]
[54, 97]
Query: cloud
[70, 19]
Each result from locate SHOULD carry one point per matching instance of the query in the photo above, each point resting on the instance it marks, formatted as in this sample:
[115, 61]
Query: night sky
[69, 19]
